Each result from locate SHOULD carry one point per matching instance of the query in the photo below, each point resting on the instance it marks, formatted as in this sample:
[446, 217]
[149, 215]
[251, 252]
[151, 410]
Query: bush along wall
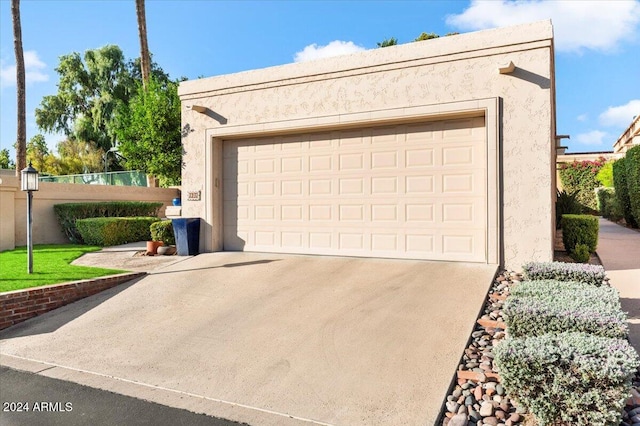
[112, 231]
[632, 161]
[581, 177]
[608, 204]
[580, 235]
[566, 203]
[620, 179]
[68, 213]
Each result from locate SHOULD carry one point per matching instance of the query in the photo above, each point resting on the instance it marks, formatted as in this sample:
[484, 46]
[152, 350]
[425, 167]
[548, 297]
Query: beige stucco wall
[46, 230]
[374, 85]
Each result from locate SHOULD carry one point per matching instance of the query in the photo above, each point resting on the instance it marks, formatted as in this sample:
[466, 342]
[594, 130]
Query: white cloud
[335, 48]
[596, 25]
[620, 116]
[582, 117]
[594, 137]
[33, 68]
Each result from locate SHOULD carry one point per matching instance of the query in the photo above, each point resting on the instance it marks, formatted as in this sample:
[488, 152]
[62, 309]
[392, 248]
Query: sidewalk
[127, 258]
[619, 251]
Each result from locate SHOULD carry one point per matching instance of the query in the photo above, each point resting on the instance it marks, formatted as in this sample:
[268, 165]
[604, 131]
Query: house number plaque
[193, 195]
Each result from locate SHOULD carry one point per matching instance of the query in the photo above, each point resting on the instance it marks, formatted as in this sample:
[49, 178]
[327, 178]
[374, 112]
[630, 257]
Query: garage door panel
[404, 191]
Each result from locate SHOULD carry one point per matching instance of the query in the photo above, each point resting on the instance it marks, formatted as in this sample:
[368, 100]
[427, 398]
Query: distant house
[438, 150]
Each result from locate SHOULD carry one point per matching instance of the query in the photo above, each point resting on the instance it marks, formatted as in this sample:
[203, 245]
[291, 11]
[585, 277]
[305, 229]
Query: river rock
[486, 409]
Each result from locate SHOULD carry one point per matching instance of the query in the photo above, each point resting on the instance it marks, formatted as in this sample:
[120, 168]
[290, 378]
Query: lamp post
[29, 183]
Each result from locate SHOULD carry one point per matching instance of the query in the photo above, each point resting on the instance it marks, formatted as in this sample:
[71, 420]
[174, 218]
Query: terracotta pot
[152, 247]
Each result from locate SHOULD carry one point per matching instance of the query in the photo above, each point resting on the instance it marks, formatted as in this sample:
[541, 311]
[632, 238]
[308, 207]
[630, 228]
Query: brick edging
[20, 305]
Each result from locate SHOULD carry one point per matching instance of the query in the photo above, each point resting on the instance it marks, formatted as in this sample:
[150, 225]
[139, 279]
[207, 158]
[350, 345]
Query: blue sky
[597, 45]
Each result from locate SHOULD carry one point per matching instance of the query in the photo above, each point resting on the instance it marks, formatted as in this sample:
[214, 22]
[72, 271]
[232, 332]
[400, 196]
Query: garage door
[415, 191]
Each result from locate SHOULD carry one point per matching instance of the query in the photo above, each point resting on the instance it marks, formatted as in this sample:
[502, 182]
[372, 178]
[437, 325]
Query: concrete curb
[20, 305]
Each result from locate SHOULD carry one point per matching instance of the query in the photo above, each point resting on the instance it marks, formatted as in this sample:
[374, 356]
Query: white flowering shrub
[588, 274]
[539, 307]
[568, 378]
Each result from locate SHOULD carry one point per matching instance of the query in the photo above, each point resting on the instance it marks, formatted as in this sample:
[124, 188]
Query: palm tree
[21, 139]
[145, 60]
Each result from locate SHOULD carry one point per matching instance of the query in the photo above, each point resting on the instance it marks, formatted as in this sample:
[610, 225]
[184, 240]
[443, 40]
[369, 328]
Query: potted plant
[163, 232]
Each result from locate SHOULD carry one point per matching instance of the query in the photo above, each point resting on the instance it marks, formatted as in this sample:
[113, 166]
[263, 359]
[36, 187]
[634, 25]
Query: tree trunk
[21, 138]
[145, 59]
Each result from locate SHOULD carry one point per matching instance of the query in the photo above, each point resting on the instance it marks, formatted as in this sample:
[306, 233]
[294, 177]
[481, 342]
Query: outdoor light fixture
[29, 183]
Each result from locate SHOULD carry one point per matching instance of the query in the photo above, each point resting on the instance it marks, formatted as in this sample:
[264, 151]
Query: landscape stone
[486, 409]
[458, 420]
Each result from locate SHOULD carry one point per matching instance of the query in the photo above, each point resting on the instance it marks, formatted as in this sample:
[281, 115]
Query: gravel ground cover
[478, 398]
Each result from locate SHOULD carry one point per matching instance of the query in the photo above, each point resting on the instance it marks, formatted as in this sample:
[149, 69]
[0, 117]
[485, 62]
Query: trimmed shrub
[580, 177]
[579, 229]
[543, 307]
[588, 274]
[632, 161]
[547, 290]
[163, 231]
[566, 204]
[581, 253]
[622, 190]
[608, 204]
[575, 378]
[111, 231]
[68, 213]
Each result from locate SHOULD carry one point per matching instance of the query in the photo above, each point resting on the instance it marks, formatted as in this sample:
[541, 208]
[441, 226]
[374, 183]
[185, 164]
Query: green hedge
[581, 177]
[620, 179]
[163, 231]
[580, 229]
[568, 378]
[68, 213]
[608, 204]
[632, 161]
[566, 203]
[588, 274]
[535, 308]
[111, 231]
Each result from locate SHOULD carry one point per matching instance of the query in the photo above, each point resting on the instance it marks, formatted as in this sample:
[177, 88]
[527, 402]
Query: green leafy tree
[88, 93]
[75, 156]
[388, 42]
[605, 175]
[426, 36]
[148, 131]
[37, 152]
[5, 160]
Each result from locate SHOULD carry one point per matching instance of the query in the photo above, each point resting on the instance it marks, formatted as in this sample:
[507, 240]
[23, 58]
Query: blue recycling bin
[187, 233]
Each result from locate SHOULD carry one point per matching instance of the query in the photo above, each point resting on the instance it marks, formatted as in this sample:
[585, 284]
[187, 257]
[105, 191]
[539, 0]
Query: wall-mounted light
[506, 68]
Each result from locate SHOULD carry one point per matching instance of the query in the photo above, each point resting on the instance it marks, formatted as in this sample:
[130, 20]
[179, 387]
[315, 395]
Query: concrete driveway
[269, 339]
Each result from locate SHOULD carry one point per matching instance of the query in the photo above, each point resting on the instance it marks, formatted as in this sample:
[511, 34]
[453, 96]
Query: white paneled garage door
[416, 191]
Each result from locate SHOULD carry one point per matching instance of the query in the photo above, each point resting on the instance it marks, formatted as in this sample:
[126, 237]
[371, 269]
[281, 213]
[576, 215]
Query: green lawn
[51, 265]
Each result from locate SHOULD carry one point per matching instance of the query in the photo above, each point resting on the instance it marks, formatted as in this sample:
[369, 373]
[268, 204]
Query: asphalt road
[31, 399]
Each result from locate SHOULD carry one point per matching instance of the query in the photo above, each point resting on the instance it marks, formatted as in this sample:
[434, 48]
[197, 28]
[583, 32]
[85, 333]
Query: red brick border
[20, 305]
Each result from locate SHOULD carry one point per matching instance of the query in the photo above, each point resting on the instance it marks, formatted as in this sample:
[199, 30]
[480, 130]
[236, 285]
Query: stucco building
[439, 150]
